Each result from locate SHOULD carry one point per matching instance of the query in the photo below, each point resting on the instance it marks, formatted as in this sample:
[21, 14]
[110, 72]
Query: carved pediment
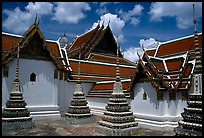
[34, 49]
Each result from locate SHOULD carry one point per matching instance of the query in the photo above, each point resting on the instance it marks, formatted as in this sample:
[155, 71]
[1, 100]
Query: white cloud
[42, 8]
[182, 11]
[116, 25]
[102, 11]
[132, 15]
[149, 43]
[23, 19]
[70, 12]
[131, 54]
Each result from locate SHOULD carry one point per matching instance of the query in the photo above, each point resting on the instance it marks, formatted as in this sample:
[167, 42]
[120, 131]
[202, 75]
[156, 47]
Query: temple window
[184, 96]
[32, 77]
[55, 74]
[65, 76]
[61, 75]
[5, 71]
[172, 96]
[160, 95]
[144, 96]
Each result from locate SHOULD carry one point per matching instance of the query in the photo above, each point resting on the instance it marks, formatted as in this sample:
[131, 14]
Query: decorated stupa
[16, 115]
[118, 120]
[191, 124]
[78, 111]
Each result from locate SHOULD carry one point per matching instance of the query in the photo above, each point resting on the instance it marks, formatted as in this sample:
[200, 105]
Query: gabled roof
[177, 46]
[104, 89]
[99, 39]
[103, 73]
[10, 43]
[170, 68]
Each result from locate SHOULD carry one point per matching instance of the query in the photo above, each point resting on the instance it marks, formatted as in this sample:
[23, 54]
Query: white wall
[40, 95]
[153, 112]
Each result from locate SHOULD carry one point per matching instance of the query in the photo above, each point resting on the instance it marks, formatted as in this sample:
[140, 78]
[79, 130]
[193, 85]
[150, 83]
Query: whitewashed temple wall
[154, 114]
[40, 96]
[47, 97]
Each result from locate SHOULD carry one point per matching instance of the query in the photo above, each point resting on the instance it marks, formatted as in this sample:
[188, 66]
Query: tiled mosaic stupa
[78, 111]
[117, 120]
[191, 124]
[15, 115]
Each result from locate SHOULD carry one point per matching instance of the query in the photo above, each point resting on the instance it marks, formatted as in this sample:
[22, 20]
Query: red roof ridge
[77, 37]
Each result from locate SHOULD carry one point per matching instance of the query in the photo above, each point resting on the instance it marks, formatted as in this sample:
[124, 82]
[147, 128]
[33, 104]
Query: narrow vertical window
[160, 95]
[33, 77]
[65, 76]
[184, 96]
[172, 96]
[144, 96]
[61, 75]
[5, 71]
[55, 74]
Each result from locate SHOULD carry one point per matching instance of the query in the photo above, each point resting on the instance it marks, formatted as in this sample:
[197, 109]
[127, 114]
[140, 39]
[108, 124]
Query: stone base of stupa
[17, 124]
[106, 131]
[186, 132]
[76, 120]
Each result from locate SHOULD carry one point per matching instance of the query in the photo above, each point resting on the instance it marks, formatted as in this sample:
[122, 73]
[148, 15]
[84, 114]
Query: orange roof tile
[181, 45]
[109, 86]
[158, 63]
[82, 39]
[110, 59]
[151, 52]
[103, 70]
[174, 64]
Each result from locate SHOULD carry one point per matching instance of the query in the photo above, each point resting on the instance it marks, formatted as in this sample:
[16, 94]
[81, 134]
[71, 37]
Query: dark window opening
[184, 96]
[66, 76]
[160, 95]
[61, 75]
[144, 96]
[5, 71]
[172, 96]
[56, 74]
[33, 77]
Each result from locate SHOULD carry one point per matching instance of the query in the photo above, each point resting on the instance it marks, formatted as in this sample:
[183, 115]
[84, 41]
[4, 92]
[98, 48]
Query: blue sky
[134, 23]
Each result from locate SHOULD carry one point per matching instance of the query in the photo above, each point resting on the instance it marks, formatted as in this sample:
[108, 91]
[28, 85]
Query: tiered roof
[10, 43]
[99, 39]
[170, 65]
[103, 74]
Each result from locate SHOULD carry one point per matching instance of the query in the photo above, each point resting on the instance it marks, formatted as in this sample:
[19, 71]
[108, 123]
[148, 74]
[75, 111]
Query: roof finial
[109, 21]
[36, 16]
[194, 16]
[117, 64]
[198, 62]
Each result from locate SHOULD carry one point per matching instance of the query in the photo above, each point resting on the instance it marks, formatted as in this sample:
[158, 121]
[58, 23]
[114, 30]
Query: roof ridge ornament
[36, 16]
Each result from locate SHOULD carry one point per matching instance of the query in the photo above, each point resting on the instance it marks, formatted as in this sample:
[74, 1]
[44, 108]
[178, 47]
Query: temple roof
[99, 39]
[177, 46]
[103, 74]
[171, 66]
[10, 43]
